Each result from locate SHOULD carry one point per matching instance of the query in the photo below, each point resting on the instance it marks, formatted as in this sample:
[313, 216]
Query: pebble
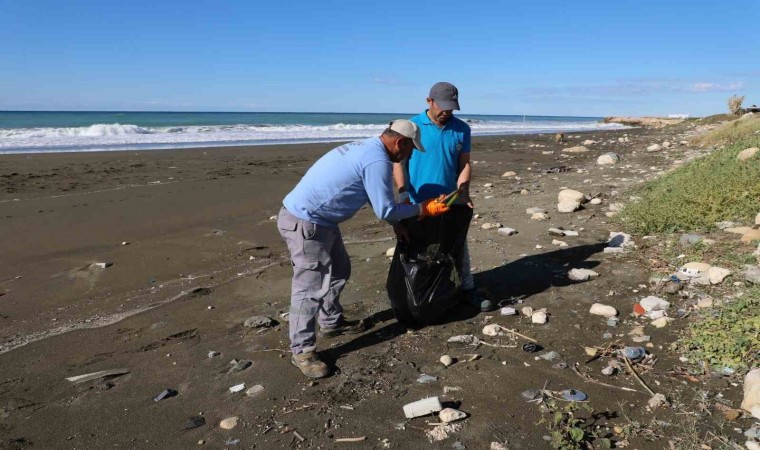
[425, 379]
[534, 210]
[259, 322]
[539, 317]
[228, 423]
[507, 311]
[582, 274]
[653, 303]
[599, 309]
[539, 216]
[237, 388]
[446, 360]
[254, 390]
[506, 231]
[489, 225]
[596, 201]
[451, 415]
[213, 353]
[559, 243]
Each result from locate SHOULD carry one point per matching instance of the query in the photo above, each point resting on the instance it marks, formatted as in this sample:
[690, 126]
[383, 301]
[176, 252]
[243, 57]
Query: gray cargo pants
[321, 268]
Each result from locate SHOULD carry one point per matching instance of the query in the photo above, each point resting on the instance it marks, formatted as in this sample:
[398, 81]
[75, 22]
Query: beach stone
[571, 195]
[588, 142]
[666, 144]
[596, 201]
[737, 230]
[506, 231]
[747, 153]
[259, 322]
[526, 311]
[539, 317]
[508, 174]
[492, 330]
[653, 303]
[696, 272]
[654, 148]
[488, 185]
[687, 240]
[498, 446]
[539, 216]
[751, 235]
[716, 275]
[576, 149]
[559, 243]
[508, 311]
[706, 302]
[534, 210]
[658, 401]
[751, 390]
[582, 274]
[620, 239]
[228, 423]
[254, 391]
[570, 233]
[599, 309]
[451, 415]
[489, 225]
[390, 252]
[568, 206]
[556, 231]
[662, 322]
[608, 159]
[446, 360]
[752, 274]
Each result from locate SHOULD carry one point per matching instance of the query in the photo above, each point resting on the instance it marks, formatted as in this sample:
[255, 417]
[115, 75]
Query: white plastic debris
[237, 388]
[422, 407]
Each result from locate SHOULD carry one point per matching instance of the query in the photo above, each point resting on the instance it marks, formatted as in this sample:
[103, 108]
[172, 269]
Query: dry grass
[734, 131]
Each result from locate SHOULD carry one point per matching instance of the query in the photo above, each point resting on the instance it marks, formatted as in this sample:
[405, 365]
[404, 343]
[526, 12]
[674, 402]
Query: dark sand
[203, 256]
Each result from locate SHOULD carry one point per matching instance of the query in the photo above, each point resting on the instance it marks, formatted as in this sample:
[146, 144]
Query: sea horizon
[80, 131]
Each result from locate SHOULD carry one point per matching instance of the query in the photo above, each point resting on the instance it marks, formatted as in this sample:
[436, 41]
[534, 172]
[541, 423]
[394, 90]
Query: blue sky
[591, 58]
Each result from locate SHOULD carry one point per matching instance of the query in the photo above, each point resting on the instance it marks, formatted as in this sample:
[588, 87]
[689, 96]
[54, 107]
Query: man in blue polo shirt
[339, 184]
[444, 167]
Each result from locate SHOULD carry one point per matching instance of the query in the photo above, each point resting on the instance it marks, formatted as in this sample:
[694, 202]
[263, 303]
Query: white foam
[119, 137]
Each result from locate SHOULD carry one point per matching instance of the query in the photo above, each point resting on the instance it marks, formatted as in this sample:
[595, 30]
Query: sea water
[34, 132]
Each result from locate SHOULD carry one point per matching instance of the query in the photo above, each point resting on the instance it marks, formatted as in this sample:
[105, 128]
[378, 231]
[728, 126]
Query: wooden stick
[591, 380]
[518, 334]
[356, 439]
[298, 436]
[633, 371]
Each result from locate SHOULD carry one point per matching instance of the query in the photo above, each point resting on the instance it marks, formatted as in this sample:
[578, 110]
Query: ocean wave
[127, 136]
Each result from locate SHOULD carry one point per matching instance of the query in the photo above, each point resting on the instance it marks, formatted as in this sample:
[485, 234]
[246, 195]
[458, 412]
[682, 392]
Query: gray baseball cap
[446, 95]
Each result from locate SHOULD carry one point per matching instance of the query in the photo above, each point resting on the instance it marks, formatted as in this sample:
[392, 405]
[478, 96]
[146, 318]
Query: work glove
[433, 207]
[404, 197]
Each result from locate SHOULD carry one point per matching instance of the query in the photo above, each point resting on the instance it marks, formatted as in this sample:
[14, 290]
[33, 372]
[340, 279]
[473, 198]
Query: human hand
[433, 207]
[402, 234]
[403, 197]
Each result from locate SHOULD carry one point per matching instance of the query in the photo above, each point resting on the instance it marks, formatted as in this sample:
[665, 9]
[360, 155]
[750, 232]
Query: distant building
[678, 116]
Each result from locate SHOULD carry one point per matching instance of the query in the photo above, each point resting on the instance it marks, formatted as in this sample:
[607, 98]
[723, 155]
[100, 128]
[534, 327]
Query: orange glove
[433, 207]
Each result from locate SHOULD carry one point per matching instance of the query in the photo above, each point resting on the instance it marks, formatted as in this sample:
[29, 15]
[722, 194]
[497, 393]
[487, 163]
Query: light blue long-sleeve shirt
[344, 180]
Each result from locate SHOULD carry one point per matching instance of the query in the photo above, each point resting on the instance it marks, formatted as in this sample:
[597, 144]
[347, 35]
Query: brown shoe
[344, 327]
[310, 365]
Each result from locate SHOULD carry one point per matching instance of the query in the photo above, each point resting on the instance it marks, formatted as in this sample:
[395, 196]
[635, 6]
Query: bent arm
[398, 177]
[379, 186]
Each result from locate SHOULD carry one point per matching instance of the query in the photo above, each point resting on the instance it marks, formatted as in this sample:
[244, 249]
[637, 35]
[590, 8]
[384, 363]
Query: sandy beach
[191, 253]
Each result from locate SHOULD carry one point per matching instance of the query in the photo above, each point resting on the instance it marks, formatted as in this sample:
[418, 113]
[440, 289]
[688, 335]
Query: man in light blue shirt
[444, 167]
[331, 192]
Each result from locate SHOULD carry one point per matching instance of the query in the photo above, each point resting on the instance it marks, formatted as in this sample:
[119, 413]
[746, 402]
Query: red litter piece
[639, 310]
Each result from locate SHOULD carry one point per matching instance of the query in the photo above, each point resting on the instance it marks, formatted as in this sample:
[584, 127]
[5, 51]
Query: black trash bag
[424, 280]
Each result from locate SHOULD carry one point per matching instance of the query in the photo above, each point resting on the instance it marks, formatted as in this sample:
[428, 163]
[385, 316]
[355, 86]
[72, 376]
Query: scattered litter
[101, 265]
[354, 439]
[166, 393]
[213, 353]
[424, 379]
[573, 395]
[259, 322]
[549, 356]
[422, 407]
[531, 394]
[194, 422]
[240, 366]
[531, 347]
[634, 353]
[507, 311]
[231, 441]
[95, 375]
[451, 415]
[442, 432]
[237, 388]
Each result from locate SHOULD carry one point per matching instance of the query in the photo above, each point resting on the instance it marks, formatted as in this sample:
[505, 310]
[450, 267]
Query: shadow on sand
[518, 279]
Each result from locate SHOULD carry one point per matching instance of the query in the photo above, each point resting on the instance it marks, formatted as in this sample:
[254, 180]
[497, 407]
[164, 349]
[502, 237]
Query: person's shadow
[505, 284]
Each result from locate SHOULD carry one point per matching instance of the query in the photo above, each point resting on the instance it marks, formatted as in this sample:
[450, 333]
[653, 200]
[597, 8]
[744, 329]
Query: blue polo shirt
[435, 171]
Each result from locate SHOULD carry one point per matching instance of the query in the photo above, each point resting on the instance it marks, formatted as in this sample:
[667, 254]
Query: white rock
[596, 201]
[389, 253]
[571, 233]
[228, 423]
[599, 309]
[588, 142]
[422, 407]
[568, 206]
[751, 390]
[446, 360]
[654, 148]
[254, 390]
[576, 149]
[706, 302]
[559, 243]
[539, 216]
[237, 388]
[451, 415]
[556, 231]
[508, 174]
[581, 274]
[506, 231]
[488, 225]
[608, 159]
[492, 330]
[498, 446]
[507, 311]
[659, 400]
[653, 303]
[538, 317]
[666, 144]
[488, 185]
[571, 195]
[534, 210]
[717, 274]
[662, 322]
[527, 311]
[747, 153]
